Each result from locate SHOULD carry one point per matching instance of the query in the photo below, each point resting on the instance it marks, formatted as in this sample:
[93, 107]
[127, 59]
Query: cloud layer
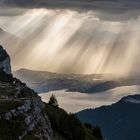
[87, 4]
[122, 9]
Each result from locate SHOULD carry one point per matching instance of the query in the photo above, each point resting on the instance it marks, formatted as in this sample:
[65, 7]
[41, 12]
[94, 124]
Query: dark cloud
[120, 8]
[113, 5]
[8, 11]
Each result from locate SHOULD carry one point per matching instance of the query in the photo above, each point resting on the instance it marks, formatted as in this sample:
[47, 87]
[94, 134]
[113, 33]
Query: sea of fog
[74, 101]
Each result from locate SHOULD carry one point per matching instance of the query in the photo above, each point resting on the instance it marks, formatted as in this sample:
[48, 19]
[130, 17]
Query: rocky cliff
[22, 113]
[4, 61]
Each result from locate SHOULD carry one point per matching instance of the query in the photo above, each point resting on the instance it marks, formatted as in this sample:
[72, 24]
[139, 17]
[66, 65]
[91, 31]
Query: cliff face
[4, 61]
[22, 113]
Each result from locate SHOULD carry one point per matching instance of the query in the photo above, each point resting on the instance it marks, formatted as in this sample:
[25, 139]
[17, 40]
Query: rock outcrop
[4, 61]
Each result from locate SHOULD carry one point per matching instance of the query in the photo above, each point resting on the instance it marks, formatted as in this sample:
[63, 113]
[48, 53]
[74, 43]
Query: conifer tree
[53, 101]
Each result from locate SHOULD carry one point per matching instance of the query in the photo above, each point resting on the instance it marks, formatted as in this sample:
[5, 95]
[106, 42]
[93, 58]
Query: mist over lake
[74, 101]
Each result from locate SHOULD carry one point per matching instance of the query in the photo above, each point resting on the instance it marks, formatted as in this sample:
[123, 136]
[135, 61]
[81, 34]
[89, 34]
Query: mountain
[23, 115]
[42, 81]
[119, 121]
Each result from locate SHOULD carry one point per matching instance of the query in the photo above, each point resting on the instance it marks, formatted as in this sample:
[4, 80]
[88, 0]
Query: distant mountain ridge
[120, 121]
[43, 81]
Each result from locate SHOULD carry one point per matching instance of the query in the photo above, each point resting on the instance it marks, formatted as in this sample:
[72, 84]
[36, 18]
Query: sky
[73, 36]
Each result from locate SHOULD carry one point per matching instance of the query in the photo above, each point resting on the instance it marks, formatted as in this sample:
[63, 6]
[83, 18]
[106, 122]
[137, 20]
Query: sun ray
[71, 42]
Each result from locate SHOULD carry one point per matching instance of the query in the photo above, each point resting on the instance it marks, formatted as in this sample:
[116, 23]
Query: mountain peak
[135, 99]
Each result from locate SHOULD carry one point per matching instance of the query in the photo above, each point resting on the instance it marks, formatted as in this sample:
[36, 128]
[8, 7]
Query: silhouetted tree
[53, 101]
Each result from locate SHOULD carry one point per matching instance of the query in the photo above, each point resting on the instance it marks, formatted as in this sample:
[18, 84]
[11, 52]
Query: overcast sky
[123, 9]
